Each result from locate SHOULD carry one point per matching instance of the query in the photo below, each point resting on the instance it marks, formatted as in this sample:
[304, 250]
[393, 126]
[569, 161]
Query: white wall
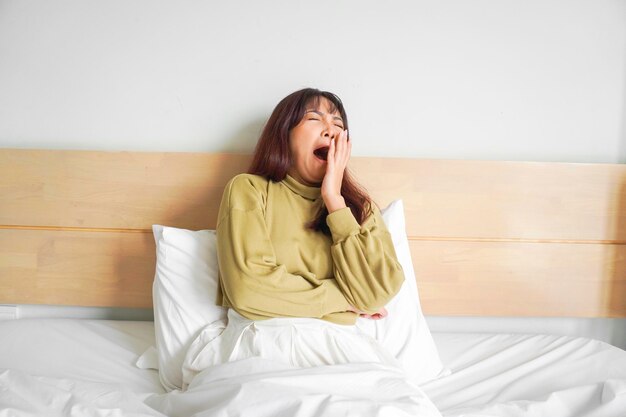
[485, 79]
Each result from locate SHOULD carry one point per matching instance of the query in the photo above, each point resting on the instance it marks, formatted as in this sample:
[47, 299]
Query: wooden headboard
[487, 237]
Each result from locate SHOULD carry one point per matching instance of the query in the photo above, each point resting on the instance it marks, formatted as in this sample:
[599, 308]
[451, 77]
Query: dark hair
[273, 160]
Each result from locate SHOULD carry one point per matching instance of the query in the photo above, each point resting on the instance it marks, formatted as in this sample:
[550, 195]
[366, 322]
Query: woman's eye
[339, 126]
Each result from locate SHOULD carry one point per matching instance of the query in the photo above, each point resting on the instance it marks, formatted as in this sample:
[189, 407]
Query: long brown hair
[273, 160]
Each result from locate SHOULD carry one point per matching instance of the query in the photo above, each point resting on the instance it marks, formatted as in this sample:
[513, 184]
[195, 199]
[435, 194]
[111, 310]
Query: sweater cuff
[335, 300]
[342, 224]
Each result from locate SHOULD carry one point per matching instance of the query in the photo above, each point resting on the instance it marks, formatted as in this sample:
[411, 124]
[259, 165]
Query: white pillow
[184, 295]
[404, 332]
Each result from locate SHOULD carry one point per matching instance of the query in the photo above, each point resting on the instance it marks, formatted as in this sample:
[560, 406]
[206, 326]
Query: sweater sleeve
[252, 281]
[365, 262]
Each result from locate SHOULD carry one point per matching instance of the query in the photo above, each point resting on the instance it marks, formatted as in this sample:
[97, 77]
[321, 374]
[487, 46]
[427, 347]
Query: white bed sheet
[492, 374]
[529, 375]
[83, 350]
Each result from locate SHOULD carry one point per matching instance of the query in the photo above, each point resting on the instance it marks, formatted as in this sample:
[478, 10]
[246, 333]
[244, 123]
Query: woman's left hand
[336, 162]
[380, 314]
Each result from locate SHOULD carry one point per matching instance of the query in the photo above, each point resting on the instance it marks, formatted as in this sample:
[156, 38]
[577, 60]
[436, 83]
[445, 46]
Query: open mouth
[321, 153]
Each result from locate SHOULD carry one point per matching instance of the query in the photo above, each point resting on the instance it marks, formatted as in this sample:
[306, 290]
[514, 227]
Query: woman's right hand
[380, 314]
[336, 163]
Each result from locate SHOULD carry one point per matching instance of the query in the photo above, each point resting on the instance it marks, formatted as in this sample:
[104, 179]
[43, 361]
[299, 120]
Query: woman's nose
[330, 131]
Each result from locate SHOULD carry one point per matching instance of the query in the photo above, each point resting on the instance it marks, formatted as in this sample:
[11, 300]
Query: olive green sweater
[272, 265]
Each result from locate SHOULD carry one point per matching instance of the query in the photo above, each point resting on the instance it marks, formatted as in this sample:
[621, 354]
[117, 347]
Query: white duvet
[258, 387]
[282, 367]
[493, 375]
[251, 387]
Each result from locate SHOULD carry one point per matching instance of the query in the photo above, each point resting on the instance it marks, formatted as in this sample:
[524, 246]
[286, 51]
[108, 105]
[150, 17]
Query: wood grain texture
[442, 198]
[120, 190]
[454, 278]
[76, 268]
[520, 279]
[499, 199]
[487, 237]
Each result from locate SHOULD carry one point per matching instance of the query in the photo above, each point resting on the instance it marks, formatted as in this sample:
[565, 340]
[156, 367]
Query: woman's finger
[341, 142]
[340, 151]
[380, 314]
[345, 149]
[330, 156]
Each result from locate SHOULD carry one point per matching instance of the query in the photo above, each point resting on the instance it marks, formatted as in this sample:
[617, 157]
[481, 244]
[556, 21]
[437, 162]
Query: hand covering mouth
[321, 153]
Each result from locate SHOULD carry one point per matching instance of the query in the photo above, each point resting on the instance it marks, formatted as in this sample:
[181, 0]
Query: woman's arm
[252, 281]
[364, 258]
[366, 266]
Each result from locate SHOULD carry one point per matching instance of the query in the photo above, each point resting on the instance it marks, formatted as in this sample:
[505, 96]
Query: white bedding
[101, 350]
[529, 375]
[258, 387]
[493, 375]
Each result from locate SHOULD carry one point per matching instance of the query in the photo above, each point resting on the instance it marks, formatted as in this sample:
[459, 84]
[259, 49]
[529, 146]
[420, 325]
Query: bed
[486, 238]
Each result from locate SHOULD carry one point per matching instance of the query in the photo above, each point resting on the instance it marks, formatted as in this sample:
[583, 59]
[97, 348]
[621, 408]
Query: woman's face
[309, 141]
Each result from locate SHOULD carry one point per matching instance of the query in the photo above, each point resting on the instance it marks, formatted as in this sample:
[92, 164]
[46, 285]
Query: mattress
[492, 374]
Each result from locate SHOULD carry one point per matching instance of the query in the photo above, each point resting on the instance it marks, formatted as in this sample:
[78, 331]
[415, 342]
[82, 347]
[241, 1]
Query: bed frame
[488, 238]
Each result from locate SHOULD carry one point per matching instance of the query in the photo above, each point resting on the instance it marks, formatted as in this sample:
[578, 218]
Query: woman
[298, 241]
[296, 236]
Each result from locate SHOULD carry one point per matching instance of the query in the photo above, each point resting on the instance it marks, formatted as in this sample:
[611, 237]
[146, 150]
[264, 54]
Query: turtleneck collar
[308, 192]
